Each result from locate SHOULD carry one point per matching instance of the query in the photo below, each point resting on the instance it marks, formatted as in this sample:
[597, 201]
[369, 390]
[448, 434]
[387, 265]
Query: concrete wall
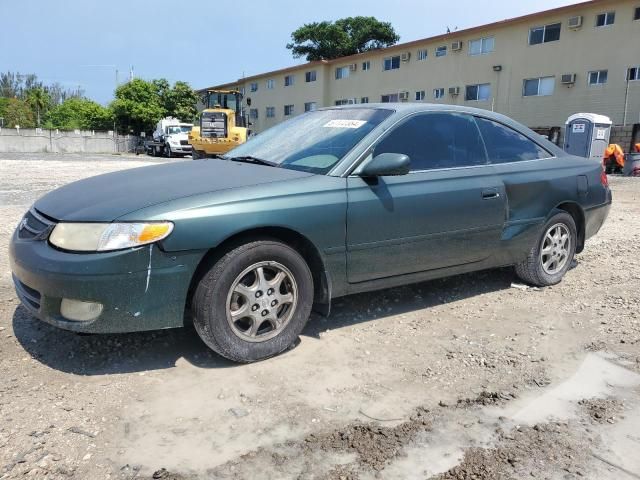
[26, 140]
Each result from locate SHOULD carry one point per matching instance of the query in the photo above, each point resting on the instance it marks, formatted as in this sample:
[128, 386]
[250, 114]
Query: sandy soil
[466, 377]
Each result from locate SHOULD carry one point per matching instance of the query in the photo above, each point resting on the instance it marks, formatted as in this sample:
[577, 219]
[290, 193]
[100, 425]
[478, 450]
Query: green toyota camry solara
[333, 202]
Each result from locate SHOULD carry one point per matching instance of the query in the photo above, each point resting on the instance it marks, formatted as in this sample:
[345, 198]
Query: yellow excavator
[222, 125]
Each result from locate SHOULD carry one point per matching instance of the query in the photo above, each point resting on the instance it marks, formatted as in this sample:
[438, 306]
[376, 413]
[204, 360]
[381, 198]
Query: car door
[449, 210]
[526, 171]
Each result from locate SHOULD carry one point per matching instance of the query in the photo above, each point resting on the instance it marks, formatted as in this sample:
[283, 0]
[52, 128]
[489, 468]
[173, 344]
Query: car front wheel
[254, 302]
[551, 256]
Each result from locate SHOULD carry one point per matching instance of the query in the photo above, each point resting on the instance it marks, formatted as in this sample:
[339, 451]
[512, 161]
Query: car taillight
[604, 179]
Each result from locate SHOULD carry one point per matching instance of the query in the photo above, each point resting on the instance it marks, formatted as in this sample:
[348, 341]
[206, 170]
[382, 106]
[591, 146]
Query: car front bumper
[181, 148]
[142, 288]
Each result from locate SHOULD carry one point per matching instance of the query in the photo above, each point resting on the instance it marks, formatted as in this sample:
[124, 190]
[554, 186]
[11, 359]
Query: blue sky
[203, 43]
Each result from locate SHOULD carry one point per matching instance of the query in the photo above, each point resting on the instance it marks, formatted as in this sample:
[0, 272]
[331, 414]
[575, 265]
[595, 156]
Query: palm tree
[38, 99]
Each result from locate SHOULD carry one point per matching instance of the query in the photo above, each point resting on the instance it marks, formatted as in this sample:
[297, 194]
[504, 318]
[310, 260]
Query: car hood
[104, 198]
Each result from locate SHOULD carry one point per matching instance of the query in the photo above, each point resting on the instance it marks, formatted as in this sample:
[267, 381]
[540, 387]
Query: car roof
[410, 107]
[405, 108]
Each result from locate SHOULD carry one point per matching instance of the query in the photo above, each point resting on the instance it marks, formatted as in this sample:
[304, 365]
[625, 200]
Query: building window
[605, 19]
[253, 113]
[342, 72]
[346, 101]
[481, 46]
[438, 93]
[420, 95]
[545, 34]
[538, 87]
[636, 14]
[478, 92]
[288, 80]
[598, 77]
[633, 73]
[288, 110]
[422, 54]
[391, 97]
[366, 66]
[441, 51]
[391, 63]
[310, 106]
[310, 76]
[364, 100]
[271, 112]
[270, 84]
[253, 87]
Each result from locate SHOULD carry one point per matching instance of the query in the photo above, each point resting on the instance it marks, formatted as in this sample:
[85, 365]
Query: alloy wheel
[261, 301]
[556, 245]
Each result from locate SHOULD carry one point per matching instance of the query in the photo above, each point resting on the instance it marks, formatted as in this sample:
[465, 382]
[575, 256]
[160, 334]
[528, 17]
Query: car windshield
[221, 100]
[313, 142]
[178, 129]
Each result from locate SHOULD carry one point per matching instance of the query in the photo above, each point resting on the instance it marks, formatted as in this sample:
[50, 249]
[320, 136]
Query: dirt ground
[470, 377]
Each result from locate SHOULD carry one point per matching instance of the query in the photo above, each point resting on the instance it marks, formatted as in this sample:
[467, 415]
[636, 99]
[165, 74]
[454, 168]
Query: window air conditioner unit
[454, 91]
[568, 78]
[575, 22]
[405, 56]
[404, 96]
[353, 67]
[456, 46]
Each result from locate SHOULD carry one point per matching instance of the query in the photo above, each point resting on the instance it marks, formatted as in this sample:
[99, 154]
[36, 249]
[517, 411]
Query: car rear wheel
[196, 154]
[254, 302]
[551, 256]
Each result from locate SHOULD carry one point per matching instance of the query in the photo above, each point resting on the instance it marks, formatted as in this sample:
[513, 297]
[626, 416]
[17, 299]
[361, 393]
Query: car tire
[196, 155]
[552, 254]
[254, 301]
[167, 151]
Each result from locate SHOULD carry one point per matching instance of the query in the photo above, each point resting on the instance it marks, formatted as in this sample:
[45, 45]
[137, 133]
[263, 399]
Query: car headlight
[101, 237]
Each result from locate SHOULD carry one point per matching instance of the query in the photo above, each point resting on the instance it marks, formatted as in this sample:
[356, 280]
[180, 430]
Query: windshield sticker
[344, 124]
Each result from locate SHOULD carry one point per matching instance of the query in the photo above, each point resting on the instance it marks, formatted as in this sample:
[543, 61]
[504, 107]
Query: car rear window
[505, 145]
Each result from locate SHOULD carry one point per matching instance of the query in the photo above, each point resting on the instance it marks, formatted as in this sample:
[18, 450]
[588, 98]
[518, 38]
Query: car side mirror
[386, 164]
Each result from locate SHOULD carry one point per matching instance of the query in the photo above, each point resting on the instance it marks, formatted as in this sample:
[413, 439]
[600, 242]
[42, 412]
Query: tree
[346, 36]
[137, 106]
[16, 112]
[181, 101]
[79, 113]
[39, 101]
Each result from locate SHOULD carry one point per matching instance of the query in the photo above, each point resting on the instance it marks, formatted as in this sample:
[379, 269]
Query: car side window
[436, 140]
[504, 144]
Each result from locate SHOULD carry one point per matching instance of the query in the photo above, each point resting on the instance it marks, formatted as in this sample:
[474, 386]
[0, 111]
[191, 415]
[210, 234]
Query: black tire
[209, 303]
[167, 151]
[196, 155]
[531, 269]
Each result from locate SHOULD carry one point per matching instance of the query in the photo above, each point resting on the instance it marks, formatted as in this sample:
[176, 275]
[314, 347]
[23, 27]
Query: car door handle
[490, 193]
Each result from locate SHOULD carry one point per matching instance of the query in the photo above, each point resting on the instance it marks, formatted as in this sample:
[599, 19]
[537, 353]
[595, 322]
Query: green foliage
[181, 101]
[346, 36]
[16, 112]
[139, 104]
[79, 113]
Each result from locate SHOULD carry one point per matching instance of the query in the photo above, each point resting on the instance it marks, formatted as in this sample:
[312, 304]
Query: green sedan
[330, 203]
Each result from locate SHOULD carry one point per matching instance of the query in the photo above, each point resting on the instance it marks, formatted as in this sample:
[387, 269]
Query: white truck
[170, 138]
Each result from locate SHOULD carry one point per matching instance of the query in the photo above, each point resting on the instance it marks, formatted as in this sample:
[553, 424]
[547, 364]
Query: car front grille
[184, 142]
[34, 226]
[28, 296]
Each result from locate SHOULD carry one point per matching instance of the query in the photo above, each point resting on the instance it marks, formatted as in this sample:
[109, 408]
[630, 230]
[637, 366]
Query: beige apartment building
[538, 69]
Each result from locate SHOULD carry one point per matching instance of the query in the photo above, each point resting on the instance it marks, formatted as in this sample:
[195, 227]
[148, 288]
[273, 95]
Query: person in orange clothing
[637, 147]
[612, 154]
